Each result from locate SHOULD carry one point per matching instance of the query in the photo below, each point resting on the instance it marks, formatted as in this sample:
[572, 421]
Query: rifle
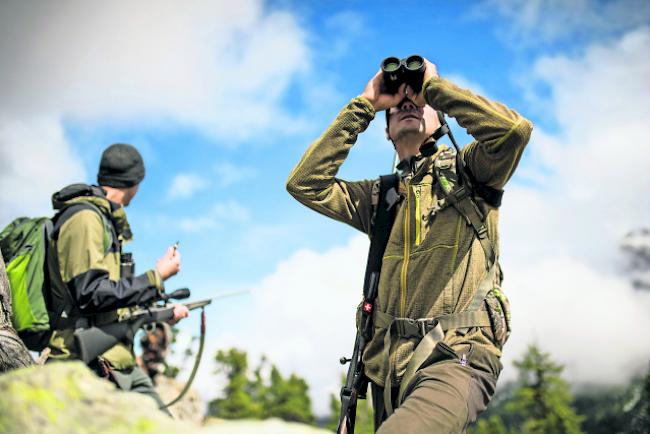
[356, 382]
[93, 341]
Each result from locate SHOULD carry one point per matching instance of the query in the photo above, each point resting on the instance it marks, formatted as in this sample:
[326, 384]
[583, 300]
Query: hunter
[440, 320]
[94, 285]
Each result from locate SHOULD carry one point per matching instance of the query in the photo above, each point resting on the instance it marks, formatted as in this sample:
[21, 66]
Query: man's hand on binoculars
[430, 71]
[382, 101]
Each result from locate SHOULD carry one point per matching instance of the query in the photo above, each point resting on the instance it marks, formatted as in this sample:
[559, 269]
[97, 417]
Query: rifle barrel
[231, 294]
[197, 304]
[201, 303]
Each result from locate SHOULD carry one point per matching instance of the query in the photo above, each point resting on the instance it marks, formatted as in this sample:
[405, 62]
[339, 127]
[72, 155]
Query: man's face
[408, 119]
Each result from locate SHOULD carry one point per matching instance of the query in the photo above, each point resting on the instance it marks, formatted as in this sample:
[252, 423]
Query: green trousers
[444, 397]
[133, 380]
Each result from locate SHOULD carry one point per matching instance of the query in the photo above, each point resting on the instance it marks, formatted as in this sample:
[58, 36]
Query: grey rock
[66, 397]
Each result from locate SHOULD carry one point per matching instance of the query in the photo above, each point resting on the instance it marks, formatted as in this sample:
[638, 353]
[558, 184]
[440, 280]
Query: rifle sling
[379, 233]
[195, 368]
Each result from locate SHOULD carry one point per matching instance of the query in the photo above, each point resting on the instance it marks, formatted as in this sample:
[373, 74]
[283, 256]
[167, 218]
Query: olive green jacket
[88, 247]
[433, 262]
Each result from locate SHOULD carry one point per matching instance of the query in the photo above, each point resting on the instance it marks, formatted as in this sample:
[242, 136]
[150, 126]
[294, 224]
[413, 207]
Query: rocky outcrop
[269, 426]
[190, 408]
[13, 353]
[66, 397]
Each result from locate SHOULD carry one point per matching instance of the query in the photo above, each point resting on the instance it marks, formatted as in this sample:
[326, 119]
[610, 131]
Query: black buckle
[441, 131]
[412, 328]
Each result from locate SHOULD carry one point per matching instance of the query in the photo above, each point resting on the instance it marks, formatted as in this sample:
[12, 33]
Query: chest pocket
[434, 223]
[423, 199]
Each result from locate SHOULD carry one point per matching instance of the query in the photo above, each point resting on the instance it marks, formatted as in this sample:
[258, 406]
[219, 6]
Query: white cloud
[213, 65]
[229, 173]
[597, 163]
[464, 82]
[561, 239]
[35, 161]
[343, 29]
[587, 319]
[222, 212]
[551, 20]
[185, 185]
[301, 316]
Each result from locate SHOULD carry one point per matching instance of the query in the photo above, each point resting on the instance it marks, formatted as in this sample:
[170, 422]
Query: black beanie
[121, 166]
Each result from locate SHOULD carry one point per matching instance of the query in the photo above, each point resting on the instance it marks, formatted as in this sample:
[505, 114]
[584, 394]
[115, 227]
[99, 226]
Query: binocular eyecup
[409, 70]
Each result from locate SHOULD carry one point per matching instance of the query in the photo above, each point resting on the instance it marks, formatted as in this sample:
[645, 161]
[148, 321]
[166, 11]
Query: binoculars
[397, 71]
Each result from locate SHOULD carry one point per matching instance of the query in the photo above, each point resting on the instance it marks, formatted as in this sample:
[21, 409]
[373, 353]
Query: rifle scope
[179, 294]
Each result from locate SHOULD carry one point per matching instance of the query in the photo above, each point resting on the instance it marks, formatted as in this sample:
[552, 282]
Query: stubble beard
[409, 135]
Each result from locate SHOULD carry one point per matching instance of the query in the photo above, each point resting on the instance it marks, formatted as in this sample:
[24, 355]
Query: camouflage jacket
[433, 262]
[87, 249]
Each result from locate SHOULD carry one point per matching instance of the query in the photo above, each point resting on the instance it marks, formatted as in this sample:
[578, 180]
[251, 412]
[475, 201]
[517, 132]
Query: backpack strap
[383, 219]
[460, 191]
[460, 195]
[68, 211]
[381, 225]
[65, 304]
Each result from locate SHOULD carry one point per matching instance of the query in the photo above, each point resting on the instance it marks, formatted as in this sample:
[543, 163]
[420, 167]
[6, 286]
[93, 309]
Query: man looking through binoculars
[408, 124]
[439, 318]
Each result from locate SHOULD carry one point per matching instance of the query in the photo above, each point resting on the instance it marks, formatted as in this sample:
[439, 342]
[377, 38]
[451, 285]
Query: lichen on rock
[66, 397]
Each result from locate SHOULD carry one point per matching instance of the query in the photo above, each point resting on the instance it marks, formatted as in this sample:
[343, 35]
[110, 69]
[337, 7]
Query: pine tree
[288, 398]
[257, 395]
[491, 425]
[543, 399]
[640, 423]
[238, 401]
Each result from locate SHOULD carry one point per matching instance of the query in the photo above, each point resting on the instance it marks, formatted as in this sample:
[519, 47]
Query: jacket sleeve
[500, 133]
[313, 181]
[89, 268]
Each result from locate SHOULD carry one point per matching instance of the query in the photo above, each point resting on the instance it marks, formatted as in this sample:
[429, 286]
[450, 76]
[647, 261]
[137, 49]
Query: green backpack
[32, 271]
[24, 248]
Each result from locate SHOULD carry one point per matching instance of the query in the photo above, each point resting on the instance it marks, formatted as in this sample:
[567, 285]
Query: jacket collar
[97, 196]
[418, 165]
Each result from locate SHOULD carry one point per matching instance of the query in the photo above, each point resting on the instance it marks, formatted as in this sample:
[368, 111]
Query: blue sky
[222, 98]
[266, 159]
